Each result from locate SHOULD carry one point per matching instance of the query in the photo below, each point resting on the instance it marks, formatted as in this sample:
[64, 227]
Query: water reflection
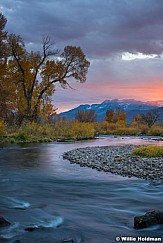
[22, 157]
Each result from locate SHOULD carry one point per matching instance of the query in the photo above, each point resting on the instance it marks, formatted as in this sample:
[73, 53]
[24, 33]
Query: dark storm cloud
[100, 27]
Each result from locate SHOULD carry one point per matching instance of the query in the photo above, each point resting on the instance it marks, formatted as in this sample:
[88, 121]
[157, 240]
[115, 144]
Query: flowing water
[40, 189]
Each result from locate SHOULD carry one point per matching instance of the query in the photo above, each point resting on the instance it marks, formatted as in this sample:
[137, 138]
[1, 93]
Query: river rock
[118, 160]
[3, 222]
[150, 218]
[32, 228]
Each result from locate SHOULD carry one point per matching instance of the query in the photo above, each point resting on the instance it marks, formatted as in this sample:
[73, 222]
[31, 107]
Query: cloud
[100, 27]
[105, 30]
[133, 56]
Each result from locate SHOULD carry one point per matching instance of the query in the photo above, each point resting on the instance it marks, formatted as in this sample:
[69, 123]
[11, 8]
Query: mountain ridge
[130, 106]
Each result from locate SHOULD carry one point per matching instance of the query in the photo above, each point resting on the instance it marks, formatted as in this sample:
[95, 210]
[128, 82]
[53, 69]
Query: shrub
[156, 131]
[149, 151]
[73, 130]
[108, 128]
[83, 130]
[39, 130]
[22, 135]
[144, 129]
[2, 128]
[63, 129]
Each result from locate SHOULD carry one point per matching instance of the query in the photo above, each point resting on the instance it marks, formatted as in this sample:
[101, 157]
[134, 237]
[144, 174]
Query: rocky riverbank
[117, 160]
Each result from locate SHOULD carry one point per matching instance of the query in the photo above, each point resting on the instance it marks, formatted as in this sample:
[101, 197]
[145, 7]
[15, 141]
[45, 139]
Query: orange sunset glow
[151, 92]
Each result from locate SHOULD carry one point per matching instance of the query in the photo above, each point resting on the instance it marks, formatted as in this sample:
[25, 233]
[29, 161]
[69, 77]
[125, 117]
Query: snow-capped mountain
[130, 106]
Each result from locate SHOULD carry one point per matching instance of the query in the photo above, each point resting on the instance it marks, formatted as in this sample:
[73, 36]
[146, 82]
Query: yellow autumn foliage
[2, 127]
[73, 130]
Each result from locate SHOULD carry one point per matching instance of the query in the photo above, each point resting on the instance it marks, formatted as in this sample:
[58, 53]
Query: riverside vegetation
[35, 132]
[31, 131]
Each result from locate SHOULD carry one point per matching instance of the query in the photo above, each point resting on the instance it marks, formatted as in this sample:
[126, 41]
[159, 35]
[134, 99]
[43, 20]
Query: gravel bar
[117, 160]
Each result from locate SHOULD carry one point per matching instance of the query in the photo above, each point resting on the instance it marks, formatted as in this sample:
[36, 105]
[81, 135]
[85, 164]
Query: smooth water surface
[39, 188]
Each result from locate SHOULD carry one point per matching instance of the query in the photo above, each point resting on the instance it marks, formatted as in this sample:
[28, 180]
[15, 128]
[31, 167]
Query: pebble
[117, 160]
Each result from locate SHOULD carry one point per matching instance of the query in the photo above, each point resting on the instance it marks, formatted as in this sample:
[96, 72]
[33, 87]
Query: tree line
[119, 116]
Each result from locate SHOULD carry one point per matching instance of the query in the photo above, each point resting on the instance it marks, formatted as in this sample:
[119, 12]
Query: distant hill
[130, 106]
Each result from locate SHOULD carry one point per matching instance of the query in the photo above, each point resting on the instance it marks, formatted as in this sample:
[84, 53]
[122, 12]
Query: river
[66, 201]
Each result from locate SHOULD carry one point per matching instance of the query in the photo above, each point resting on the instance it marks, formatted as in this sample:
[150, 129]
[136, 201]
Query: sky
[122, 39]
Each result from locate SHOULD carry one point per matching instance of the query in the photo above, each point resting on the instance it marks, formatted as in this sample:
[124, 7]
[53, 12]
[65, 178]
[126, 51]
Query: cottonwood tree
[115, 116]
[150, 118]
[7, 98]
[35, 73]
[109, 116]
[3, 36]
[85, 116]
